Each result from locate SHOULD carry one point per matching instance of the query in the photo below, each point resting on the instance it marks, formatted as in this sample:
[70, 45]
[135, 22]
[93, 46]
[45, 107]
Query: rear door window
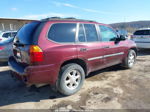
[91, 33]
[62, 32]
[142, 32]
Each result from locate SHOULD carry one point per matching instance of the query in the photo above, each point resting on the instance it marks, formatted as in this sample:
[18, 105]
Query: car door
[89, 47]
[114, 51]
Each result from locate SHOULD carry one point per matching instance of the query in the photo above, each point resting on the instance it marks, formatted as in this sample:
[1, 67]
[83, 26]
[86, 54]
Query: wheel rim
[131, 59]
[72, 79]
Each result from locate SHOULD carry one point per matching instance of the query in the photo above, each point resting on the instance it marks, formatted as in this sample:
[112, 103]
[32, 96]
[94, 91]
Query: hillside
[131, 26]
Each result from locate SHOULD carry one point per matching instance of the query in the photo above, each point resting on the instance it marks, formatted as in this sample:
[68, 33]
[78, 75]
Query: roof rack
[69, 18]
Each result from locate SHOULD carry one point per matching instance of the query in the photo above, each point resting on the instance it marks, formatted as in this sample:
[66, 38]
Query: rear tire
[130, 59]
[71, 79]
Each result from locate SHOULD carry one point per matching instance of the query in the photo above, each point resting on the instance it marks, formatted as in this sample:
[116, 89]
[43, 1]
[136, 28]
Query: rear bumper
[16, 67]
[39, 74]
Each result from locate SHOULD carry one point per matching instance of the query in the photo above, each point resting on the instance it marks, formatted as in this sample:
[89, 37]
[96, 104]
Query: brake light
[1, 48]
[36, 54]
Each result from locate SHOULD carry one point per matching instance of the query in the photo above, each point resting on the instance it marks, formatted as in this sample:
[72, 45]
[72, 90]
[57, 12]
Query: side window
[6, 35]
[91, 33]
[81, 35]
[107, 34]
[62, 32]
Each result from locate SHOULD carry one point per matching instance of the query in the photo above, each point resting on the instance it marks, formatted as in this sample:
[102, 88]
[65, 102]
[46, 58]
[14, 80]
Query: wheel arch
[78, 61]
[135, 49]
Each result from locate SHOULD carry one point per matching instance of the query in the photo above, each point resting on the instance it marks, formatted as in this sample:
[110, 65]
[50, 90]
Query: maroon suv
[61, 52]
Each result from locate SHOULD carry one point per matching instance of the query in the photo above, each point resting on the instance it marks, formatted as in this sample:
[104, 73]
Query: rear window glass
[26, 34]
[142, 32]
[91, 33]
[62, 32]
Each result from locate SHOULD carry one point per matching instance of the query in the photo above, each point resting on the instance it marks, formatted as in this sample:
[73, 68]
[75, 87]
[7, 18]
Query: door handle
[106, 47]
[83, 49]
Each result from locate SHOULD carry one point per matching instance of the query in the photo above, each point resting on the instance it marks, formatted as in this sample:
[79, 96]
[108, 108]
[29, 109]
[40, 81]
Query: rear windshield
[26, 34]
[142, 32]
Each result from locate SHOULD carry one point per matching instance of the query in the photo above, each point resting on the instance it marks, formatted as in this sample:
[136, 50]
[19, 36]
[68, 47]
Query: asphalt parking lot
[111, 88]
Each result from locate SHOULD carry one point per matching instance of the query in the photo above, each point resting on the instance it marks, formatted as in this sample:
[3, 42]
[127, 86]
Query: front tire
[71, 79]
[130, 59]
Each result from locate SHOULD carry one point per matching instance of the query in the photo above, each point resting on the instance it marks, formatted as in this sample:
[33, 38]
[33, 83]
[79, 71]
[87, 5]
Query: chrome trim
[84, 32]
[77, 32]
[95, 58]
[105, 56]
[116, 54]
[98, 32]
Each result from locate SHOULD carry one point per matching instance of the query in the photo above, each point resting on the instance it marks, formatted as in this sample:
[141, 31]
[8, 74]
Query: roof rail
[69, 18]
[51, 18]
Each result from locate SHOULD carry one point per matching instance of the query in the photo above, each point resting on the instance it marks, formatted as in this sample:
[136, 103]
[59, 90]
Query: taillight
[1, 48]
[36, 54]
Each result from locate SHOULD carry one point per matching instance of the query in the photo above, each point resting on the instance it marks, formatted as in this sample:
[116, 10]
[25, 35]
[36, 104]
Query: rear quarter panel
[55, 53]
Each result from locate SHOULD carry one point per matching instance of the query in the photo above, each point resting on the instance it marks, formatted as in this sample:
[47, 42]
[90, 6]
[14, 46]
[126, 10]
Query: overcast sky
[104, 11]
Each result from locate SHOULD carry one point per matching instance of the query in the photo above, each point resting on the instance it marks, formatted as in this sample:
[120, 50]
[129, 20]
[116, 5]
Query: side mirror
[120, 38]
[123, 37]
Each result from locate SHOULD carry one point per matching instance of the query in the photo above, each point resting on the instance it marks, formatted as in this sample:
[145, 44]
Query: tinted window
[62, 32]
[107, 34]
[26, 34]
[142, 32]
[81, 35]
[91, 33]
[6, 35]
